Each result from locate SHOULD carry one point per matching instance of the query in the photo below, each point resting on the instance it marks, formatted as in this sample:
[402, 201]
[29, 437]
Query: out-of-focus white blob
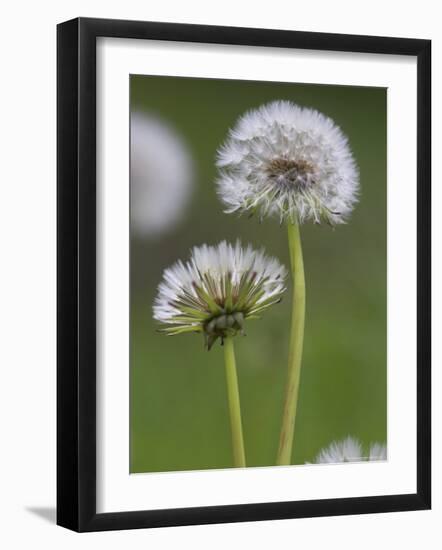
[161, 176]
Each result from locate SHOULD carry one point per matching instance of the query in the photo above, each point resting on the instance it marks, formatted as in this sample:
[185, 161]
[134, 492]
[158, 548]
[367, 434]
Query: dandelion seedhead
[288, 161]
[350, 450]
[161, 175]
[217, 290]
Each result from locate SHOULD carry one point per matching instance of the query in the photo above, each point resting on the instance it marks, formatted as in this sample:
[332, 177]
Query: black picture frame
[76, 274]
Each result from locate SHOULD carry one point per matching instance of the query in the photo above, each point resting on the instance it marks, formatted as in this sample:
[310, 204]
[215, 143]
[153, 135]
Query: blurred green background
[179, 416]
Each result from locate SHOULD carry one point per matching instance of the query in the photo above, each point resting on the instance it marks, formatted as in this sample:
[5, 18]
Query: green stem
[239, 459]
[295, 347]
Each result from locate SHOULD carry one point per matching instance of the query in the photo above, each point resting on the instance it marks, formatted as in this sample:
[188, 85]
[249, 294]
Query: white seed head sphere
[288, 161]
[350, 450]
[217, 290]
[161, 176]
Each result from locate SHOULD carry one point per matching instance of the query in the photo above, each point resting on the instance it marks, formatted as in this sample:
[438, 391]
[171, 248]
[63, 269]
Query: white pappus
[288, 161]
[217, 290]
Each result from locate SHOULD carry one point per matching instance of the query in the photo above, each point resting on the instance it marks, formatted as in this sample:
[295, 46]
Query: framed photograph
[243, 274]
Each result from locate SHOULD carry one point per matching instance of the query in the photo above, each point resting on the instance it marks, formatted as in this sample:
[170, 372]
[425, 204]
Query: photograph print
[258, 274]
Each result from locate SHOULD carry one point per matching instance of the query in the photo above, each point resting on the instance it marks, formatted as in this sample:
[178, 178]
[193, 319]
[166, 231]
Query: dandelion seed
[217, 290]
[161, 176]
[288, 161]
[350, 450]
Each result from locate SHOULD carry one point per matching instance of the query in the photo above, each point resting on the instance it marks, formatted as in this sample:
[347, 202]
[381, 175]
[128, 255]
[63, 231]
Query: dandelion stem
[295, 346]
[239, 459]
